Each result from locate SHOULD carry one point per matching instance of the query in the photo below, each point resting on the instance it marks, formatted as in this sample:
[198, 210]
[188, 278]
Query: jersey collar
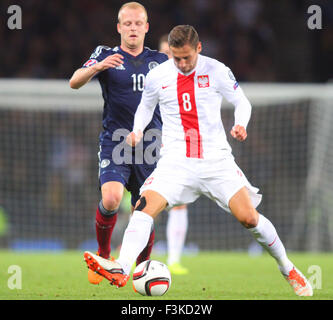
[128, 55]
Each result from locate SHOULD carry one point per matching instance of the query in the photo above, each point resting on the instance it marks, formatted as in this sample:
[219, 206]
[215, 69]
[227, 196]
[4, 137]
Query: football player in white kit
[177, 224]
[196, 158]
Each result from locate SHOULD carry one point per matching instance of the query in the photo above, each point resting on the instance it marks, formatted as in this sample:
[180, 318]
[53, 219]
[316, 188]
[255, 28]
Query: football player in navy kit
[121, 73]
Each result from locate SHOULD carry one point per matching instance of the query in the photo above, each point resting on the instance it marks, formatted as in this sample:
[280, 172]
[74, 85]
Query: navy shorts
[132, 175]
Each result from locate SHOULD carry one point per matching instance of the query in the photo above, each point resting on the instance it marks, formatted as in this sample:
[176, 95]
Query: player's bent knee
[151, 203]
[143, 205]
[111, 201]
[105, 212]
[250, 220]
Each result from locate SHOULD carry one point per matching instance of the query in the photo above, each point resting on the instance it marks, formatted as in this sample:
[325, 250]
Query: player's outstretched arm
[84, 75]
[145, 111]
[142, 117]
[230, 89]
[81, 76]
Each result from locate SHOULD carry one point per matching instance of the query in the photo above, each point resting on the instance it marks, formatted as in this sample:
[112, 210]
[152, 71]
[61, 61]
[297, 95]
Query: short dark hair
[181, 35]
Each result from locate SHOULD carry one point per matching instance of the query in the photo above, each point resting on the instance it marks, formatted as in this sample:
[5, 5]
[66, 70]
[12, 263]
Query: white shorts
[183, 180]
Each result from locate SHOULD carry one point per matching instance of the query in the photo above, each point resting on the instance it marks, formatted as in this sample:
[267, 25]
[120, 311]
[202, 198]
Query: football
[151, 278]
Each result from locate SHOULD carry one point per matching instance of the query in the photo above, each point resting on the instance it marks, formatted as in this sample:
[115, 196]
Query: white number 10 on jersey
[138, 81]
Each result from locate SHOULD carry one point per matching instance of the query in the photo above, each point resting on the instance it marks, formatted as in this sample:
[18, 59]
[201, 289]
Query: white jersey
[190, 106]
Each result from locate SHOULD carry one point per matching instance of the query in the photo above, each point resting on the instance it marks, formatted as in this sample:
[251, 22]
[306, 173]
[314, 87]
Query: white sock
[135, 239]
[176, 233]
[267, 236]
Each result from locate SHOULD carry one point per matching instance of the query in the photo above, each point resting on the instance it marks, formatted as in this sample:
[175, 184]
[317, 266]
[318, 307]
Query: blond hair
[132, 5]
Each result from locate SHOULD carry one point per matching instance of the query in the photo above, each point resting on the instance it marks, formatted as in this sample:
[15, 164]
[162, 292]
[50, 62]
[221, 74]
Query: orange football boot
[109, 269]
[94, 277]
[299, 283]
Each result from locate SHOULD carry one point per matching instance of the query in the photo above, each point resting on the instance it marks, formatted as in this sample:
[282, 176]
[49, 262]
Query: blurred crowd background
[48, 159]
[260, 40]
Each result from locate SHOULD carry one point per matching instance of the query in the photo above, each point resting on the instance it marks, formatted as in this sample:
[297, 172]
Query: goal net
[49, 183]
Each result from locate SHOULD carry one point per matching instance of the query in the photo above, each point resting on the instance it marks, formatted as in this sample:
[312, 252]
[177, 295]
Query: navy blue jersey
[122, 86]
[122, 89]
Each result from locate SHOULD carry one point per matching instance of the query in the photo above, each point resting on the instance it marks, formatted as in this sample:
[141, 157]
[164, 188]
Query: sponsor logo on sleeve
[232, 77]
[90, 63]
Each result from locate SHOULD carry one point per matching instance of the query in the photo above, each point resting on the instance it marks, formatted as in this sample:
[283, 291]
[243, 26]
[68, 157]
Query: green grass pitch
[213, 276]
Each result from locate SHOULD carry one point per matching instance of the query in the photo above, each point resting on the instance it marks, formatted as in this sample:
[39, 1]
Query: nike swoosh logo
[163, 87]
[272, 242]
